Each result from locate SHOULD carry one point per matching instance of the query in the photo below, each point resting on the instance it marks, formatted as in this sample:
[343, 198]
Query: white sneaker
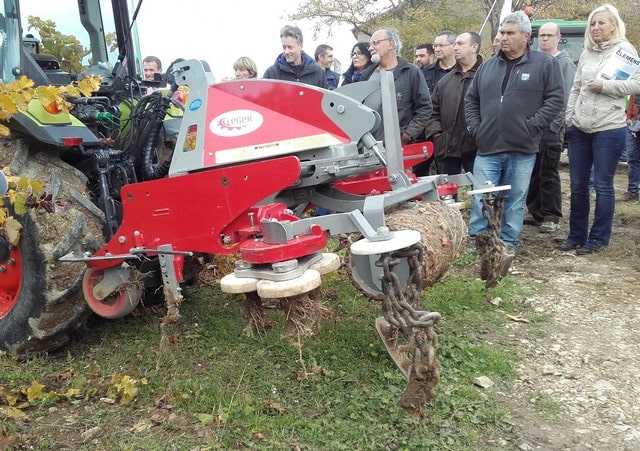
[548, 227]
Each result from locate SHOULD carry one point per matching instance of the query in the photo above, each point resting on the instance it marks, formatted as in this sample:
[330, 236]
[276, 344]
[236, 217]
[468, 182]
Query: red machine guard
[191, 211]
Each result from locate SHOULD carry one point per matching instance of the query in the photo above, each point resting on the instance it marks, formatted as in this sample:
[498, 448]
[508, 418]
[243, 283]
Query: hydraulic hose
[151, 171]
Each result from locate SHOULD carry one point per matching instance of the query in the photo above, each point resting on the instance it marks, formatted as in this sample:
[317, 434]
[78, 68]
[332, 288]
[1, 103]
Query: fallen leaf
[140, 426]
[12, 230]
[12, 412]
[517, 319]
[274, 406]
[90, 434]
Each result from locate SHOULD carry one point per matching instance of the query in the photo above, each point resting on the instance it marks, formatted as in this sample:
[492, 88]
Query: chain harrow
[494, 253]
[406, 330]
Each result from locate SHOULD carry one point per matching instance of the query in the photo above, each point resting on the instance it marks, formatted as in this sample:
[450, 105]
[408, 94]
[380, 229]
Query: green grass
[229, 390]
[547, 406]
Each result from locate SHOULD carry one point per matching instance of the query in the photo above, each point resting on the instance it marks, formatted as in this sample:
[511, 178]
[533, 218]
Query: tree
[418, 21]
[67, 49]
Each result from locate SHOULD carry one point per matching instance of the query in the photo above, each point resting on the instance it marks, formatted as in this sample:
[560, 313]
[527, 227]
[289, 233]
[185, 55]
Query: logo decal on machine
[195, 104]
[236, 123]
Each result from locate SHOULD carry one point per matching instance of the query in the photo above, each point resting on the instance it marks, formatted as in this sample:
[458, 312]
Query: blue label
[195, 104]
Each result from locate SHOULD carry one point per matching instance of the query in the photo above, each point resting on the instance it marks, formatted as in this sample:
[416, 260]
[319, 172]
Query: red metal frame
[194, 212]
[377, 182]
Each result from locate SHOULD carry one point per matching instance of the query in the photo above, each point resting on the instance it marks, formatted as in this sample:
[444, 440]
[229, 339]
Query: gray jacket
[568, 70]
[513, 121]
[412, 97]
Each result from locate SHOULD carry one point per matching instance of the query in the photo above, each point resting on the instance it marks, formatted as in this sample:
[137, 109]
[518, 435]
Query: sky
[232, 29]
[217, 32]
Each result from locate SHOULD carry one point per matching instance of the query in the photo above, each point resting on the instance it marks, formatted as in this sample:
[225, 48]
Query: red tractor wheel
[10, 276]
[116, 305]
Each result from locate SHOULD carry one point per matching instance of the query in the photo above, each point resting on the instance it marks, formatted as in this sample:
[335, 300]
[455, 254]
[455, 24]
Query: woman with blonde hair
[596, 124]
[245, 68]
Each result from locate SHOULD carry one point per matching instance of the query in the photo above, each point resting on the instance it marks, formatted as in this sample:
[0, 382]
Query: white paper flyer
[620, 66]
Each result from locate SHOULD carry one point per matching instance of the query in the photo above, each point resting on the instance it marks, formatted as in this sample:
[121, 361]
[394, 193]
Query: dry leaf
[517, 319]
[12, 230]
[12, 412]
[140, 426]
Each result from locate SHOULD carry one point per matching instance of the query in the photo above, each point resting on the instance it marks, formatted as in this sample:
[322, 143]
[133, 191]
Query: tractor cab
[91, 37]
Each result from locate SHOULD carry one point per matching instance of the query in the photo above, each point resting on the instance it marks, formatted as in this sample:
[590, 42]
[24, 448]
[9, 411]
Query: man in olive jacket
[454, 148]
[511, 100]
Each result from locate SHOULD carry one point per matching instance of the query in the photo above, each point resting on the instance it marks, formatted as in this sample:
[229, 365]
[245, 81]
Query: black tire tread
[58, 309]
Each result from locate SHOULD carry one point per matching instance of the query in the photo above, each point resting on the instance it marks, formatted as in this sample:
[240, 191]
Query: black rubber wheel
[41, 301]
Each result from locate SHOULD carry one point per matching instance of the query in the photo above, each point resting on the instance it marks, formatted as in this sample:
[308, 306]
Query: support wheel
[115, 305]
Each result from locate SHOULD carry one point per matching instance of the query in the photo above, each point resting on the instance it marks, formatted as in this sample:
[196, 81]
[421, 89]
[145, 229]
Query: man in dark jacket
[412, 95]
[324, 59]
[444, 62]
[293, 64]
[447, 128]
[544, 199]
[512, 98]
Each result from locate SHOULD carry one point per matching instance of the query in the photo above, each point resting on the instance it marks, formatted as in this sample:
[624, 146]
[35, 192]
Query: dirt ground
[585, 365]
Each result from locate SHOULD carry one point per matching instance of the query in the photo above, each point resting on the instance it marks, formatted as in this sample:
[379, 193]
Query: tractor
[133, 206]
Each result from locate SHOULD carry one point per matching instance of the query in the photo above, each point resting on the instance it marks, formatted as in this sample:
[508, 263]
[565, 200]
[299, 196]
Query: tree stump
[443, 234]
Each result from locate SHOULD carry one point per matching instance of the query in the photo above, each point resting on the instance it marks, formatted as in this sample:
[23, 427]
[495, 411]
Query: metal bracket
[135, 252]
[285, 270]
[112, 279]
[168, 271]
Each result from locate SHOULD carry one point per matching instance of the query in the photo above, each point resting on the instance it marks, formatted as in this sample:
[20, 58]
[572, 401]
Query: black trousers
[544, 199]
[454, 165]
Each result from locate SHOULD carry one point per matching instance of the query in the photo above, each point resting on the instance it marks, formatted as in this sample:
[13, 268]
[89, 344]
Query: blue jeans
[602, 151]
[506, 168]
[633, 160]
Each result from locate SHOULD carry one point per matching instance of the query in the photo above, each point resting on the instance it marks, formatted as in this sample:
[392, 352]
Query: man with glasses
[544, 199]
[412, 95]
[443, 49]
[454, 148]
[513, 97]
[434, 72]
[293, 64]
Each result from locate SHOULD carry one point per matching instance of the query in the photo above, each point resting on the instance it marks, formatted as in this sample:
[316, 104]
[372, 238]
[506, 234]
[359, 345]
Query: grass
[213, 387]
[548, 407]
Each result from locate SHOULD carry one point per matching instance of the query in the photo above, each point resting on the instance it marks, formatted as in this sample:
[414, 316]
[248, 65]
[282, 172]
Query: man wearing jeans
[512, 99]
[544, 200]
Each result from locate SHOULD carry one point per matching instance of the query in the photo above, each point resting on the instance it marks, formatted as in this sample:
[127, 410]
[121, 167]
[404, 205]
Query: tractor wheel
[41, 299]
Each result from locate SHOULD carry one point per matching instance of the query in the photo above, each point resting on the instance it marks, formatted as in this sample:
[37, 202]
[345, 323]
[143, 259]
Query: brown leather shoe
[627, 197]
